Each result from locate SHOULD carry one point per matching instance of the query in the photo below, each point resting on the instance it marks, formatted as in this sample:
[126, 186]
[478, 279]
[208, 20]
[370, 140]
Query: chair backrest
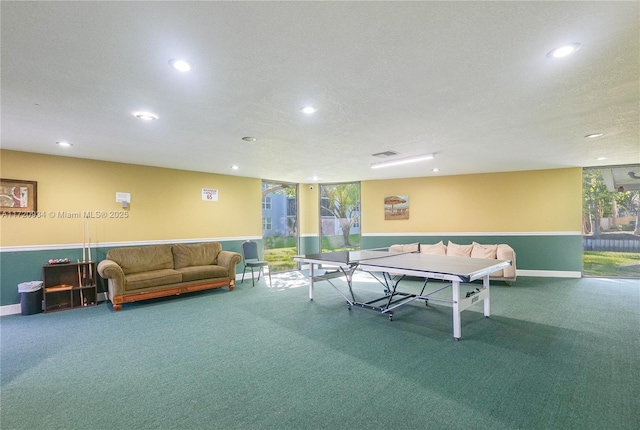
[250, 250]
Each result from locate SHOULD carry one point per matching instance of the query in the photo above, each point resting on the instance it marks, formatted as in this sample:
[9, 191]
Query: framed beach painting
[396, 207]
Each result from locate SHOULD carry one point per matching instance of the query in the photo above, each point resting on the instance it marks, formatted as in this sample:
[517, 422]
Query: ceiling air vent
[385, 154]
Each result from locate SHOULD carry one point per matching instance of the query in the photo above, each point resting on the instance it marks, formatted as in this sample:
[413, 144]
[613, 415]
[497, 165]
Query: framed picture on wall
[396, 207]
[17, 195]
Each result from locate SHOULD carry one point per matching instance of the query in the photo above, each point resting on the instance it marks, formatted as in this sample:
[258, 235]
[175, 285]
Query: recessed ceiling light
[249, 139]
[602, 158]
[180, 65]
[435, 170]
[234, 167]
[594, 135]
[309, 110]
[314, 178]
[65, 144]
[147, 116]
[563, 51]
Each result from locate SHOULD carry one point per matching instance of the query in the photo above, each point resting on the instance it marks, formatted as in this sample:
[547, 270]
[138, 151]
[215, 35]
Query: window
[611, 211]
[280, 224]
[324, 207]
[266, 203]
[292, 207]
[339, 216]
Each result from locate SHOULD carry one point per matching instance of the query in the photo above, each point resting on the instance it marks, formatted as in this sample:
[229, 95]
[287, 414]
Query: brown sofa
[147, 272]
[474, 250]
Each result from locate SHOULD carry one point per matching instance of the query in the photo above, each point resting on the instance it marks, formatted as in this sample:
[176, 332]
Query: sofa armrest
[229, 260]
[505, 252]
[111, 271]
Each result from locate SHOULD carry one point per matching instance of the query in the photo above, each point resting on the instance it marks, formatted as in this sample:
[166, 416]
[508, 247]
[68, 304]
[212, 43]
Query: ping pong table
[389, 268]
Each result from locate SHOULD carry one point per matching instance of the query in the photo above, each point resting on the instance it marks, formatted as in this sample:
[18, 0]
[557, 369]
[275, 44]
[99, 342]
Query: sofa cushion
[435, 249]
[411, 247]
[505, 252]
[195, 273]
[200, 254]
[459, 250]
[136, 259]
[484, 251]
[152, 278]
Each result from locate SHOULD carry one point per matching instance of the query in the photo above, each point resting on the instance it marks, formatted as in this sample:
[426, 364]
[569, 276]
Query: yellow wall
[309, 214]
[166, 204]
[529, 201]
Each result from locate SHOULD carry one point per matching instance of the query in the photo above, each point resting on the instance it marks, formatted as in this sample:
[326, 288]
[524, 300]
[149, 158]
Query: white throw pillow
[484, 251]
[459, 250]
[412, 247]
[435, 249]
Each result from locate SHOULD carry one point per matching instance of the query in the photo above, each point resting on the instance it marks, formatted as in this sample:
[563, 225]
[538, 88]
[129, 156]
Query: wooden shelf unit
[69, 285]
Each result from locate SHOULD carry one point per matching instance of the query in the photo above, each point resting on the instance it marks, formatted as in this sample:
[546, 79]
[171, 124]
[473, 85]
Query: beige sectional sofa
[473, 250]
[147, 272]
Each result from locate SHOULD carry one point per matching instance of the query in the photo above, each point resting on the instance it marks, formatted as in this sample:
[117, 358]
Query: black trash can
[30, 297]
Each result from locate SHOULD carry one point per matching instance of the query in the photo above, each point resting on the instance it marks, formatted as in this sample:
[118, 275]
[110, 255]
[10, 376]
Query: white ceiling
[468, 81]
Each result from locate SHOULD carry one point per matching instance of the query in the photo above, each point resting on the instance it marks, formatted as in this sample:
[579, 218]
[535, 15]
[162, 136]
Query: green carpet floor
[555, 354]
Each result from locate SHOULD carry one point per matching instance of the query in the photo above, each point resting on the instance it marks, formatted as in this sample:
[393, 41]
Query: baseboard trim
[549, 273]
[10, 310]
[17, 308]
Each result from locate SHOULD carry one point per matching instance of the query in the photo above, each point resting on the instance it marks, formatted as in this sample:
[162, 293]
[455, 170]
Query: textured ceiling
[468, 81]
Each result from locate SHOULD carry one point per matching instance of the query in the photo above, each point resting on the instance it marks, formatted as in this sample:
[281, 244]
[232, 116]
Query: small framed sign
[209, 195]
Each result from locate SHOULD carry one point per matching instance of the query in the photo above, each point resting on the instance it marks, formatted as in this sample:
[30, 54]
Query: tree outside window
[340, 216]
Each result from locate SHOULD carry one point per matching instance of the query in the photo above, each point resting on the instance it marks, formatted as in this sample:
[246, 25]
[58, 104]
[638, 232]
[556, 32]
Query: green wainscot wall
[535, 252]
[23, 266]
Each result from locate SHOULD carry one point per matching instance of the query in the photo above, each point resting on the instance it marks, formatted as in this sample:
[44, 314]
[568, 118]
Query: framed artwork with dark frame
[17, 195]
